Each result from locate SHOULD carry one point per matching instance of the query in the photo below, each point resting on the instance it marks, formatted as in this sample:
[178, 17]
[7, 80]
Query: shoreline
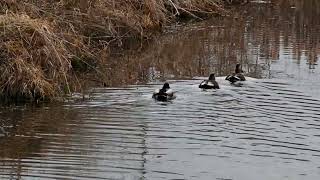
[45, 45]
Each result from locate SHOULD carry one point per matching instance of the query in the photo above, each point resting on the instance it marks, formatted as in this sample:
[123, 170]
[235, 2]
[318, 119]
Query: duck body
[208, 84]
[237, 76]
[211, 83]
[164, 94]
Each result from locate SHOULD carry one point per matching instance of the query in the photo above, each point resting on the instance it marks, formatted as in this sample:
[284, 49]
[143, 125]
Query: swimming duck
[211, 83]
[3, 132]
[237, 76]
[164, 94]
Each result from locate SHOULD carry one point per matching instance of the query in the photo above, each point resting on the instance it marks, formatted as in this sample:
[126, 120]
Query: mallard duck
[164, 94]
[211, 83]
[237, 76]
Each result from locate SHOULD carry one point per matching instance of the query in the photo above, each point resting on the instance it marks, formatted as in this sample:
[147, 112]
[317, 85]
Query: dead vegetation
[34, 61]
[43, 43]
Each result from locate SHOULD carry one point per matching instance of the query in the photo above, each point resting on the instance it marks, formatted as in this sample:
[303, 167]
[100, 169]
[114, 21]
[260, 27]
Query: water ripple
[124, 134]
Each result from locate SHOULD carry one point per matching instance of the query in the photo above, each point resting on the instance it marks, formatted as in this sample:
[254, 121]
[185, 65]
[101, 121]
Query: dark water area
[268, 128]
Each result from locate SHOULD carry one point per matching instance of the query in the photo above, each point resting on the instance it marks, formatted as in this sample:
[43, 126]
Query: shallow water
[266, 128]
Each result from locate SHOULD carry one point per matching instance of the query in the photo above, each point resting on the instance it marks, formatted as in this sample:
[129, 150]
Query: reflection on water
[259, 35]
[266, 129]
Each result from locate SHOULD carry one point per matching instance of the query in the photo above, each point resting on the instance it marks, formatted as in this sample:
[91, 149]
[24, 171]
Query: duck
[211, 83]
[3, 133]
[164, 94]
[237, 75]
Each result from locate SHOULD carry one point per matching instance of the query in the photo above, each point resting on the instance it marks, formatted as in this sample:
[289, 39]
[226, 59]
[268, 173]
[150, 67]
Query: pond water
[268, 128]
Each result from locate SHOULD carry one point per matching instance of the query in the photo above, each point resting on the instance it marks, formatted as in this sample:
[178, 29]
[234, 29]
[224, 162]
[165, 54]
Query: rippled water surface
[266, 128]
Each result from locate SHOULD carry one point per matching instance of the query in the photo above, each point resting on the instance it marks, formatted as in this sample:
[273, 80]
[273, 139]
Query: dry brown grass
[34, 61]
[40, 39]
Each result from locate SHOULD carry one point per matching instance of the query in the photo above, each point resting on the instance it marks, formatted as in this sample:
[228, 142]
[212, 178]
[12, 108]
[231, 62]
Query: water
[267, 128]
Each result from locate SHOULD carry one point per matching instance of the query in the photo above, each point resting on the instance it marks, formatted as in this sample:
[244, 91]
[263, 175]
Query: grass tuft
[43, 43]
[34, 61]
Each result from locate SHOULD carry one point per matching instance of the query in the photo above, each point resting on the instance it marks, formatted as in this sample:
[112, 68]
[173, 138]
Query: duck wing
[241, 77]
[213, 84]
[169, 92]
[203, 83]
[232, 78]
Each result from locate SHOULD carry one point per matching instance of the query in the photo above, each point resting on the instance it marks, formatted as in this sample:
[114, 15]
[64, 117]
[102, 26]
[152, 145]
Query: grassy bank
[44, 44]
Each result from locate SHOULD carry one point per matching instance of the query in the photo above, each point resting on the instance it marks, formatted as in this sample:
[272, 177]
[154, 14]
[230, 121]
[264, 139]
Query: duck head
[166, 86]
[238, 69]
[212, 77]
